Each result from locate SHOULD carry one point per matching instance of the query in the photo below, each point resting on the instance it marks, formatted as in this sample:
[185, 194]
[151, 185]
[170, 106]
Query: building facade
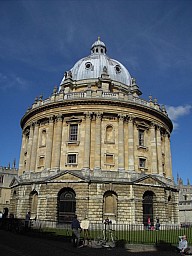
[185, 202]
[7, 174]
[97, 149]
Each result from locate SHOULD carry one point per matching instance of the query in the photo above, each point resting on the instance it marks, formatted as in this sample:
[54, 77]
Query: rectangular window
[73, 132]
[72, 159]
[141, 137]
[142, 162]
[109, 159]
[1, 178]
[41, 161]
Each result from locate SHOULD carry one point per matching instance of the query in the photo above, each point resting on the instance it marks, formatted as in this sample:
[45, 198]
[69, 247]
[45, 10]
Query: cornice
[95, 101]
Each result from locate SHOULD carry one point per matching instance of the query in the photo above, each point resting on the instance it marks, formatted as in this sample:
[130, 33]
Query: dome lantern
[98, 47]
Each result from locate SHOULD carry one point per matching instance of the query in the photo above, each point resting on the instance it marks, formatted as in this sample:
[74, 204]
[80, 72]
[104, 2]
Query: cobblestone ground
[28, 244]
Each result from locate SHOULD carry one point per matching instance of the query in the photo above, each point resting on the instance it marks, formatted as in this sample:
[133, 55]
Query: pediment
[149, 180]
[66, 177]
[73, 119]
[14, 182]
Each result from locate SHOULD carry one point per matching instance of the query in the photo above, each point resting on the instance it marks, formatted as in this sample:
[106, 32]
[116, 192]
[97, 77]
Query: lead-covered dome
[93, 66]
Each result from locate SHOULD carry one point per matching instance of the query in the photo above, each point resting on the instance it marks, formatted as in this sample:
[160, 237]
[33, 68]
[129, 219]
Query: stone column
[153, 149]
[34, 147]
[121, 149]
[49, 144]
[159, 151]
[132, 204]
[57, 139]
[29, 147]
[22, 154]
[131, 162]
[98, 141]
[168, 165]
[87, 145]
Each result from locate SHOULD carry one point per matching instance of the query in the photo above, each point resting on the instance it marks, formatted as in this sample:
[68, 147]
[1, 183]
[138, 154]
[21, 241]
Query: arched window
[110, 138]
[110, 205]
[66, 205]
[148, 198]
[170, 208]
[43, 138]
[33, 201]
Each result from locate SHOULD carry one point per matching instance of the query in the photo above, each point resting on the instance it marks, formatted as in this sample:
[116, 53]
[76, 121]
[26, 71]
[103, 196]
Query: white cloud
[176, 112]
[12, 81]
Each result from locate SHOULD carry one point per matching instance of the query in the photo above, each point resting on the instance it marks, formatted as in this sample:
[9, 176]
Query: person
[27, 220]
[85, 228]
[157, 225]
[76, 229]
[149, 223]
[183, 245]
[107, 226]
[107, 221]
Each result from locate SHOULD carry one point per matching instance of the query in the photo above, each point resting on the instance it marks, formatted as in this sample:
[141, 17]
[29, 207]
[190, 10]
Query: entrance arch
[110, 205]
[148, 199]
[33, 202]
[66, 205]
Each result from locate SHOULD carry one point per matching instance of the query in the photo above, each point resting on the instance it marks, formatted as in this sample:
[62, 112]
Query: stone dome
[98, 63]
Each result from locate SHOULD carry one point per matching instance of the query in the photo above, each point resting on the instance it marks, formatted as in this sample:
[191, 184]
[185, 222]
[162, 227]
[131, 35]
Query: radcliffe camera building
[95, 148]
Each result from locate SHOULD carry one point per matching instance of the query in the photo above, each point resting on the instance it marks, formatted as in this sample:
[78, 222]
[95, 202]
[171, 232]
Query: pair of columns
[54, 140]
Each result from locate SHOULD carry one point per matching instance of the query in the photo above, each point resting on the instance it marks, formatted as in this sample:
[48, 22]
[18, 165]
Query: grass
[135, 236]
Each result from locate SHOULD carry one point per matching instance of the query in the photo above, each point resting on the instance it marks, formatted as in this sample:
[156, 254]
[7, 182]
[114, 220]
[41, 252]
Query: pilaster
[159, 151]
[131, 162]
[33, 157]
[49, 144]
[153, 149]
[57, 139]
[87, 145]
[98, 140]
[121, 151]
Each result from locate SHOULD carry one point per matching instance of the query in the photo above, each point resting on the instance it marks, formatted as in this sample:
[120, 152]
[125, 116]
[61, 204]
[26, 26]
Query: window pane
[141, 138]
[141, 162]
[109, 159]
[73, 132]
[72, 159]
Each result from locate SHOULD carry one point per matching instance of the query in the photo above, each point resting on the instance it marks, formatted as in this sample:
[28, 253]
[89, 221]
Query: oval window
[88, 65]
[118, 69]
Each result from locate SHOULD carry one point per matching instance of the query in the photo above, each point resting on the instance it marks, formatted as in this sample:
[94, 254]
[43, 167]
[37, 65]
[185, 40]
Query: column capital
[59, 117]
[88, 115]
[152, 125]
[35, 123]
[158, 127]
[167, 134]
[130, 118]
[51, 119]
[121, 117]
[98, 115]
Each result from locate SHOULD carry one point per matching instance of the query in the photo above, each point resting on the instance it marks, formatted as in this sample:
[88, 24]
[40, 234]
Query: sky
[41, 39]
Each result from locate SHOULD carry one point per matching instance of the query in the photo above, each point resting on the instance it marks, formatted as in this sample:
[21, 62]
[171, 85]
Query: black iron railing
[129, 233]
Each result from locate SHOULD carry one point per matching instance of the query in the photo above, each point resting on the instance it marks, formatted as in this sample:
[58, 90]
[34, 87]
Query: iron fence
[129, 233]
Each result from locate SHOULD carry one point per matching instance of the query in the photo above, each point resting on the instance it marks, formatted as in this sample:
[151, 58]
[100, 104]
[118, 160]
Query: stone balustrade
[117, 96]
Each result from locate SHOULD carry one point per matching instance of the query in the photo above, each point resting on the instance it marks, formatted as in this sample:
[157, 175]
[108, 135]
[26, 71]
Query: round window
[118, 68]
[88, 65]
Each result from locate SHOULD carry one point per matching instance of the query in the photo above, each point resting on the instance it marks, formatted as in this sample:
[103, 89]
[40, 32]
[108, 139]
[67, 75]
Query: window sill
[143, 169]
[75, 142]
[71, 164]
[142, 147]
[109, 164]
[109, 142]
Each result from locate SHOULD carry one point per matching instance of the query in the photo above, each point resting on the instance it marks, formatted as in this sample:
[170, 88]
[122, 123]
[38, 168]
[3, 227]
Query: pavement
[31, 244]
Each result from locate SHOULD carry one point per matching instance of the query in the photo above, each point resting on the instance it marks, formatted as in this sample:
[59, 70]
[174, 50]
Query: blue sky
[41, 39]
